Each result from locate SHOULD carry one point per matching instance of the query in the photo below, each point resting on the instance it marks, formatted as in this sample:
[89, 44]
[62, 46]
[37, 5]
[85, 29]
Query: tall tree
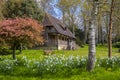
[69, 11]
[103, 8]
[44, 4]
[110, 30]
[1, 8]
[19, 30]
[115, 22]
[101, 28]
[71, 16]
[85, 10]
[22, 8]
[92, 51]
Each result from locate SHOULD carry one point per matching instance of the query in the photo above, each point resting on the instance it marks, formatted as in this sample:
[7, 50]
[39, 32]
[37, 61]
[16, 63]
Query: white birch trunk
[92, 48]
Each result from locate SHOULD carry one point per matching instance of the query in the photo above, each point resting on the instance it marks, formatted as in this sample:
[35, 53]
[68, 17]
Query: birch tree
[92, 51]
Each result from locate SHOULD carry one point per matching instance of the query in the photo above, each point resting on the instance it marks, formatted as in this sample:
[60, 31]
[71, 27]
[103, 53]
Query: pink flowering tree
[21, 31]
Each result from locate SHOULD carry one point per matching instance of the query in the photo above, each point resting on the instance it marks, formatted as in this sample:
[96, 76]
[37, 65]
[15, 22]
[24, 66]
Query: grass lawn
[100, 73]
[101, 51]
[97, 74]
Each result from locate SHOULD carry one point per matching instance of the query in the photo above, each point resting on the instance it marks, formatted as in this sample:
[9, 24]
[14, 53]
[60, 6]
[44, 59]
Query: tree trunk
[110, 31]
[91, 55]
[73, 26]
[99, 33]
[107, 26]
[14, 50]
[85, 32]
[20, 48]
[63, 18]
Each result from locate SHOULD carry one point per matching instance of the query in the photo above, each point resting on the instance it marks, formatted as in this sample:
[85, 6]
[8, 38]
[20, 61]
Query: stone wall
[62, 44]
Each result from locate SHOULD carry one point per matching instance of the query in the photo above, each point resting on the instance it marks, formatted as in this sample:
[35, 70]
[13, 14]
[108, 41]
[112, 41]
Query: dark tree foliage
[22, 8]
[79, 34]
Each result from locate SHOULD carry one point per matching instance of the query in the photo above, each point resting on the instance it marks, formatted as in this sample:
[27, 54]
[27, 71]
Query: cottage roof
[49, 20]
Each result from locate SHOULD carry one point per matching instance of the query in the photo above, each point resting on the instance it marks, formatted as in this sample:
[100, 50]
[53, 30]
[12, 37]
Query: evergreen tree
[22, 8]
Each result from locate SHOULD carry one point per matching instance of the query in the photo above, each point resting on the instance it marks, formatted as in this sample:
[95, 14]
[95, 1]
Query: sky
[55, 11]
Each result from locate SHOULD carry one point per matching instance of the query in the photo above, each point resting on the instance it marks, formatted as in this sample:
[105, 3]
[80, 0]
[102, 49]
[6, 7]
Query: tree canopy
[19, 30]
[22, 8]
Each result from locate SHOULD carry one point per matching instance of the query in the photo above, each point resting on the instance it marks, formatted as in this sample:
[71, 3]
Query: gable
[58, 25]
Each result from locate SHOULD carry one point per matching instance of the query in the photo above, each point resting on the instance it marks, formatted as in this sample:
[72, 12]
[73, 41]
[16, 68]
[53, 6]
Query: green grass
[32, 54]
[97, 74]
[22, 73]
[101, 51]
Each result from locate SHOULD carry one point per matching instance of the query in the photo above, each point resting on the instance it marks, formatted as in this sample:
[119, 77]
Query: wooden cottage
[57, 35]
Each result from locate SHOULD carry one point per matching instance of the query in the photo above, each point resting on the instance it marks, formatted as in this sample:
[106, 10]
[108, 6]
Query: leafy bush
[59, 64]
[54, 64]
[7, 65]
[109, 63]
[4, 51]
[116, 45]
[118, 50]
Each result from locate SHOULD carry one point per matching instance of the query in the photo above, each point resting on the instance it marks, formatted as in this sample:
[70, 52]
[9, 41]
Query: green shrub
[5, 51]
[109, 63]
[55, 65]
[116, 45]
[119, 50]
[60, 64]
[7, 66]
